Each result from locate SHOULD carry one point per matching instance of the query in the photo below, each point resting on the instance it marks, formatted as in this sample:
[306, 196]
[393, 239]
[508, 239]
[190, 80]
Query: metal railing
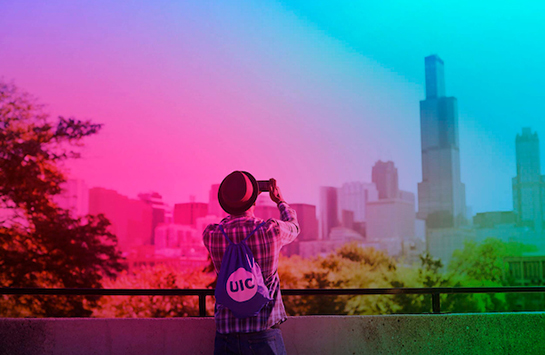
[435, 292]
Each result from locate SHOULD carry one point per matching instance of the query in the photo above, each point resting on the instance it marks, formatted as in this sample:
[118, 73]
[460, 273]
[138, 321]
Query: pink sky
[189, 93]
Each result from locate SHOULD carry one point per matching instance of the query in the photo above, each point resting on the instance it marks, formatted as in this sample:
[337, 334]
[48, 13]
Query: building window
[531, 270]
[515, 270]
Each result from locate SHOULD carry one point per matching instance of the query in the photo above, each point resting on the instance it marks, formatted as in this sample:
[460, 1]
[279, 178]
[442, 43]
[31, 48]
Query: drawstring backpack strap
[255, 230]
[225, 235]
[229, 240]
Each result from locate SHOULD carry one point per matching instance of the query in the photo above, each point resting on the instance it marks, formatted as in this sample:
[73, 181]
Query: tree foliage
[349, 267]
[355, 267]
[157, 277]
[42, 245]
[483, 264]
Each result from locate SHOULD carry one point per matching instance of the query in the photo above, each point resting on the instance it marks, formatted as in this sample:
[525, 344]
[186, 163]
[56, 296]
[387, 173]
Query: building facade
[187, 213]
[174, 240]
[384, 176]
[308, 224]
[529, 184]
[329, 207]
[390, 218]
[441, 194]
[155, 201]
[353, 196]
[130, 219]
[74, 197]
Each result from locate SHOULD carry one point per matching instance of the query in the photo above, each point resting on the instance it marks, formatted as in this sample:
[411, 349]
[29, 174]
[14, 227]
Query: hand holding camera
[270, 186]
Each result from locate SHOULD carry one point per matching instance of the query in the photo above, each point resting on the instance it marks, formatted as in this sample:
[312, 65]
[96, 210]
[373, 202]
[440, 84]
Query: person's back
[265, 244]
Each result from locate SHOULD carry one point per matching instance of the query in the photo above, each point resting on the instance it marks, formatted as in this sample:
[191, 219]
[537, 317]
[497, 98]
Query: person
[259, 334]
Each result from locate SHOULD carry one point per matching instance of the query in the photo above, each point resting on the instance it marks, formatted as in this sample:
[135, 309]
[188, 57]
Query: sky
[310, 93]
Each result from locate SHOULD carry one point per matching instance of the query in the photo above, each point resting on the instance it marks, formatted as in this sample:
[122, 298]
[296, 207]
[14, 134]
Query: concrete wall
[489, 333]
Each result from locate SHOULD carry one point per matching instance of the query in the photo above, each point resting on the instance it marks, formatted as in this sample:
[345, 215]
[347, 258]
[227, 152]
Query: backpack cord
[255, 230]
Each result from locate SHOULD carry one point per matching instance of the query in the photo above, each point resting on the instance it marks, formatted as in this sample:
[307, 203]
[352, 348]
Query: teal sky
[312, 93]
[493, 53]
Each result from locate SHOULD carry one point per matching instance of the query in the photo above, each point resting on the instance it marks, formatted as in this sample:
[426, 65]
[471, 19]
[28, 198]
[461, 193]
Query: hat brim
[240, 209]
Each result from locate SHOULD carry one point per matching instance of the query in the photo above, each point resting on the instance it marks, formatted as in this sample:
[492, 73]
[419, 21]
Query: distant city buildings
[442, 242]
[523, 225]
[529, 184]
[441, 194]
[174, 240]
[155, 201]
[329, 207]
[187, 213]
[338, 237]
[308, 224]
[353, 198]
[214, 207]
[131, 220]
[345, 206]
[376, 214]
[391, 218]
[306, 215]
[384, 176]
[74, 197]
[172, 236]
[494, 219]
[265, 208]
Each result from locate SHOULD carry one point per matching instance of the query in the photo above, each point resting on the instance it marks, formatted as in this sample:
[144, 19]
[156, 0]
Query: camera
[264, 185]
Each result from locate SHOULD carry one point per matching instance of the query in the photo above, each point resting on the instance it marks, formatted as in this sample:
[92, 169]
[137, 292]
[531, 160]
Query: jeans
[266, 342]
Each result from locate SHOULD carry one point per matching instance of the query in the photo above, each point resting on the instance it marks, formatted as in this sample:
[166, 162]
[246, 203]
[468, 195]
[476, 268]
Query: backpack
[240, 285]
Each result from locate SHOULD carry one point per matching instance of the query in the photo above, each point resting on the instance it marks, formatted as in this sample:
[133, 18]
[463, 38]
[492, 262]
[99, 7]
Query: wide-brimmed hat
[238, 192]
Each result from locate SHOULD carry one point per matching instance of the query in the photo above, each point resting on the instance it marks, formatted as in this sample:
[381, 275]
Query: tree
[427, 275]
[348, 267]
[159, 276]
[482, 264]
[42, 245]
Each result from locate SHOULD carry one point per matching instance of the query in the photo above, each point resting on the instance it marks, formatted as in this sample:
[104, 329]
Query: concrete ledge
[485, 333]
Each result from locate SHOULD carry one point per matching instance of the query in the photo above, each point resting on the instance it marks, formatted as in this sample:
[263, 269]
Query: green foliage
[482, 264]
[349, 267]
[42, 245]
[355, 267]
[157, 277]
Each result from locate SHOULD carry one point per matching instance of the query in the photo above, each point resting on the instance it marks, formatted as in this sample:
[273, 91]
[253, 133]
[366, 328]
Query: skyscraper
[384, 175]
[187, 213]
[306, 215]
[353, 196]
[308, 224]
[131, 220]
[529, 184]
[441, 194]
[329, 216]
[155, 200]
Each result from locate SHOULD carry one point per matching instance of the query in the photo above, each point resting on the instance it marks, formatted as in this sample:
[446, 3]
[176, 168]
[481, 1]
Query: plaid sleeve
[288, 228]
[206, 235]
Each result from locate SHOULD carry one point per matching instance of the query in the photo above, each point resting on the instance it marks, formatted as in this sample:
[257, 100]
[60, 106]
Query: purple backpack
[240, 285]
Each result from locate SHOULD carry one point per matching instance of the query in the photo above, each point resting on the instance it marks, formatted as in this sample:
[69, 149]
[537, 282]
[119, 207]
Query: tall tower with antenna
[441, 194]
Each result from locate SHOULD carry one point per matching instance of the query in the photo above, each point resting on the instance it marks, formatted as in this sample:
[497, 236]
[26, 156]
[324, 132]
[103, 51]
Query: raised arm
[288, 226]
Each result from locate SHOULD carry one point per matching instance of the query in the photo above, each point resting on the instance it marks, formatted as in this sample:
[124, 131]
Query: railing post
[436, 302]
[202, 305]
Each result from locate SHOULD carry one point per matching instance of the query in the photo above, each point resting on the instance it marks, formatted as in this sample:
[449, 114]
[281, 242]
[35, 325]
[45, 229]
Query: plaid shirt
[265, 244]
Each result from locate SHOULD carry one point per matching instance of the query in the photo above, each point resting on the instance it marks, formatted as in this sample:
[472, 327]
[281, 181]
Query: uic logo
[241, 285]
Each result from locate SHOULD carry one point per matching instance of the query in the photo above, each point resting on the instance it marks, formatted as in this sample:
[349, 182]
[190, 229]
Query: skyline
[161, 76]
